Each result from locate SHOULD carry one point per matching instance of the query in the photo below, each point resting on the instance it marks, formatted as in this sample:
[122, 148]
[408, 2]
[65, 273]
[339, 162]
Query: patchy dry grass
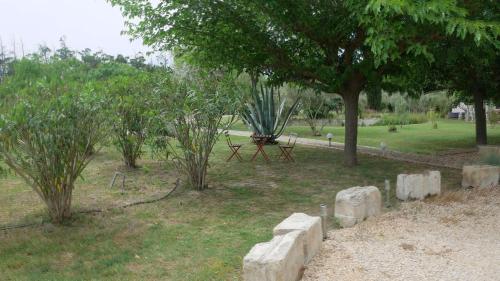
[190, 236]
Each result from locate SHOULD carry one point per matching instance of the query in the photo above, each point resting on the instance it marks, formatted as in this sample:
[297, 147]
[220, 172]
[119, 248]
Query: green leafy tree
[332, 46]
[133, 107]
[469, 70]
[64, 52]
[47, 139]
[194, 105]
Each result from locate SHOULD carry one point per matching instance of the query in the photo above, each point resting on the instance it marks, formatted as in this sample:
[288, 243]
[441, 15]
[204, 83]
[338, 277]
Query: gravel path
[452, 237]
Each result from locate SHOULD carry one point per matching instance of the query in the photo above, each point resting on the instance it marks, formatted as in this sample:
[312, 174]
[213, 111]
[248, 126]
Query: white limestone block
[313, 234]
[355, 204]
[482, 176]
[434, 181]
[281, 259]
[418, 186]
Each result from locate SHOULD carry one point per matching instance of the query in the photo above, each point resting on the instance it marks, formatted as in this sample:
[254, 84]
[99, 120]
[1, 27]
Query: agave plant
[265, 115]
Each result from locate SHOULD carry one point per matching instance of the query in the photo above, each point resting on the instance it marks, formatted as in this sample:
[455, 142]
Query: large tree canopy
[334, 46]
[468, 69]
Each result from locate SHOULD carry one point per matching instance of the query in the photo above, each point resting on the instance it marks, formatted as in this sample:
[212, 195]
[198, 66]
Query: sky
[93, 24]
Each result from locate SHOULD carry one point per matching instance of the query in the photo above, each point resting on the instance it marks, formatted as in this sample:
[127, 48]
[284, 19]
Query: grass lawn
[417, 138]
[189, 236]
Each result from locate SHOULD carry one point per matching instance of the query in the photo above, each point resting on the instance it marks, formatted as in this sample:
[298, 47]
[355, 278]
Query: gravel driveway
[452, 237]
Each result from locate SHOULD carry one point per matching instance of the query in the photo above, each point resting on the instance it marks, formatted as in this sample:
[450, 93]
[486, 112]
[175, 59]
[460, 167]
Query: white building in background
[466, 111]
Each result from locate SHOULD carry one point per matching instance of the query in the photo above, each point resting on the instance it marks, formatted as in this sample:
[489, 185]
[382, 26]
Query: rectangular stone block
[434, 181]
[281, 259]
[311, 226]
[488, 150]
[482, 176]
[355, 204]
[418, 186]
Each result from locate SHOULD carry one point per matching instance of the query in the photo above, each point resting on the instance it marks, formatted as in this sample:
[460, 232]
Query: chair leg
[265, 155]
[238, 154]
[260, 148]
[235, 153]
[255, 154]
[282, 154]
[230, 157]
[288, 155]
[291, 154]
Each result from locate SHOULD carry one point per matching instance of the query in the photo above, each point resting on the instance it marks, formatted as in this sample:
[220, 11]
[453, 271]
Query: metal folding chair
[233, 147]
[286, 149]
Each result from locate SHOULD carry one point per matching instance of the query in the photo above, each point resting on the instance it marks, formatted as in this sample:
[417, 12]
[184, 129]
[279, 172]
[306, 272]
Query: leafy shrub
[362, 104]
[317, 109]
[133, 105]
[439, 102]
[398, 103]
[493, 118]
[197, 104]
[433, 116]
[401, 119]
[48, 140]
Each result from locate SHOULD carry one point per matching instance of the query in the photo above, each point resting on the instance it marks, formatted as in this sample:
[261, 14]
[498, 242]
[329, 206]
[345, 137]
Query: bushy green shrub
[362, 104]
[398, 103]
[132, 111]
[493, 118]
[433, 117]
[194, 112]
[401, 119]
[318, 109]
[48, 139]
[439, 102]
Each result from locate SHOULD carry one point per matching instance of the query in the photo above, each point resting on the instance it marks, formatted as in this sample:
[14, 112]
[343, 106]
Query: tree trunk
[130, 161]
[481, 130]
[59, 205]
[351, 128]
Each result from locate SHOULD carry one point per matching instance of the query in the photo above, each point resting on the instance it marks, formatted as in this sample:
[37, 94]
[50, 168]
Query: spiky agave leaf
[287, 117]
[263, 114]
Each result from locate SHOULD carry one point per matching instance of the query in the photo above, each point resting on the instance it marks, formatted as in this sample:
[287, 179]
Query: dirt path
[454, 159]
[453, 237]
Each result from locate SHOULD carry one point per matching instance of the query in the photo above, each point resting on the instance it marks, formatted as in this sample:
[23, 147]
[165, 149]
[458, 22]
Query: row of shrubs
[56, 113]
[402, 119]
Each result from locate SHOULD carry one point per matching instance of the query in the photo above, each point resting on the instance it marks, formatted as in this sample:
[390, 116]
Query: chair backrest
[292, 139]
[228, 138]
